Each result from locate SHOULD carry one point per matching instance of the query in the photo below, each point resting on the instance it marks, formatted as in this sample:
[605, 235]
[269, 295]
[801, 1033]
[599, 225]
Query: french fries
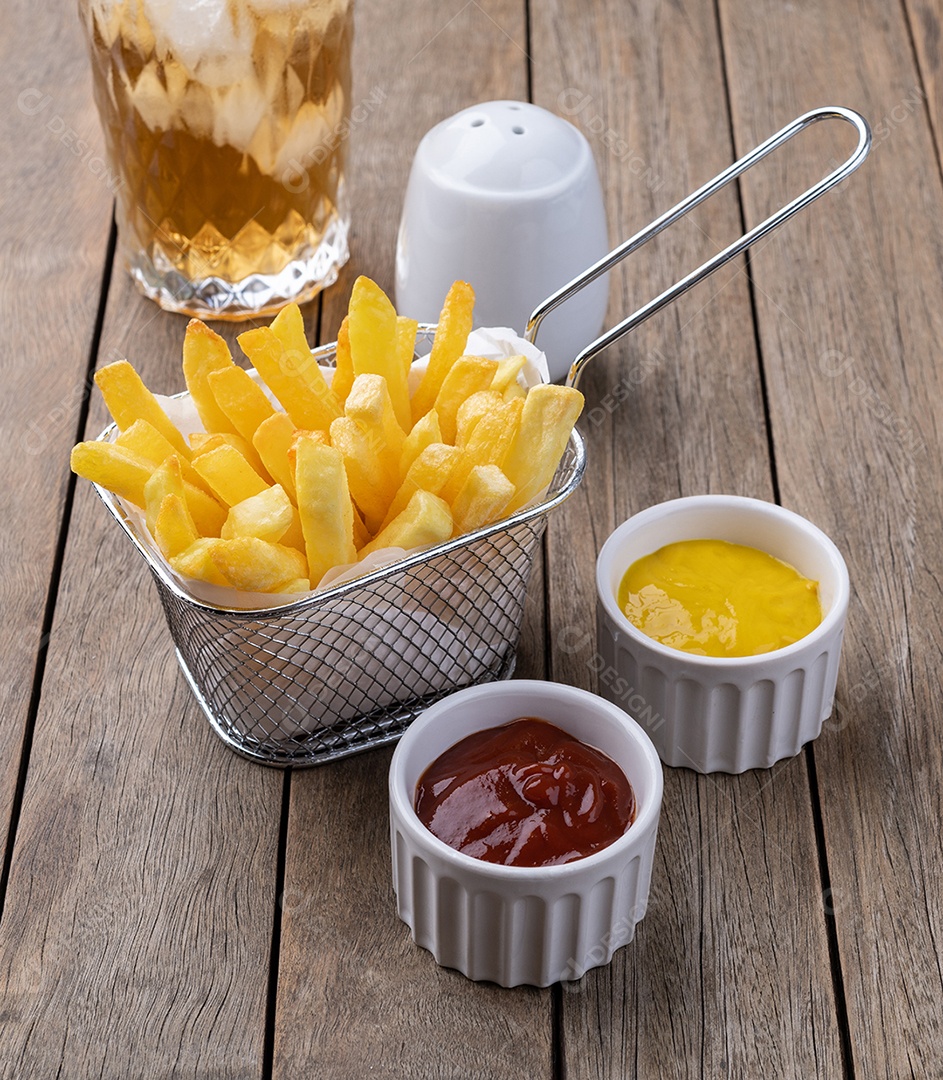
[174, 528]
[327, 514]
[241, 399]
[371, 483]
[166, 479]
[113, 467]
[374, 349]
[128, 399]
[431, 471]
[269, 499]
[452, 332]
[482, 497]
[309, 404]
[254, 565]
[272, 442]
[547, 419]
[467, 376]
[426, 520]
[266, 516]
[343, 364]
[229, 475]
[204, 352]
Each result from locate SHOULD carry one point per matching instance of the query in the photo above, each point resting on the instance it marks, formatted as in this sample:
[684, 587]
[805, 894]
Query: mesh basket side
[351, 671]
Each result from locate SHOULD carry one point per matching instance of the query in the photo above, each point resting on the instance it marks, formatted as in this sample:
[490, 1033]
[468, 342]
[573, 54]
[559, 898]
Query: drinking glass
[226, 122]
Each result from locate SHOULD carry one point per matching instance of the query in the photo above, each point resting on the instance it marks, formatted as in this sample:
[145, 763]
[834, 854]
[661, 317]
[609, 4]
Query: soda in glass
[226, 122]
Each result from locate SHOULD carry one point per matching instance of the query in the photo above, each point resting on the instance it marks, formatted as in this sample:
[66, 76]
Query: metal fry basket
[349, 668]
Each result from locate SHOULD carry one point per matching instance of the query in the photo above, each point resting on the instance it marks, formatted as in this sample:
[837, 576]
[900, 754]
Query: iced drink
[226, 121]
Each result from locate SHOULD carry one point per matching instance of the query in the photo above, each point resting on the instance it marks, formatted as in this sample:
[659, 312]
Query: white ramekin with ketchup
[513, 924]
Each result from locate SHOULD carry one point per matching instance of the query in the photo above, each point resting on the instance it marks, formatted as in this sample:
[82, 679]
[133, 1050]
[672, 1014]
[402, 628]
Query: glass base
[257, 294]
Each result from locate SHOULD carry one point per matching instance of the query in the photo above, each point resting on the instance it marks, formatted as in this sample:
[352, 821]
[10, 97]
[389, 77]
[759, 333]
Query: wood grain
[138, 927]
[355, 996]
[137, 931]
[924, 23]
[51, 266]
[729, 973]
[855, 393]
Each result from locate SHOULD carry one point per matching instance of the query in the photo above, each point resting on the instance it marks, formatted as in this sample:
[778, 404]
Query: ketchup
[525, 794]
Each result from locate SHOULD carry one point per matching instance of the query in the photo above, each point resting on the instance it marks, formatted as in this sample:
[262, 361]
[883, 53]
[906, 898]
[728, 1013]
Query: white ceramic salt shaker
[506, 196]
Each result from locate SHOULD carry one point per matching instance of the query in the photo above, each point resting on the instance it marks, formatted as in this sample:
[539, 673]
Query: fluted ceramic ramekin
[518, 925]
[722, 714]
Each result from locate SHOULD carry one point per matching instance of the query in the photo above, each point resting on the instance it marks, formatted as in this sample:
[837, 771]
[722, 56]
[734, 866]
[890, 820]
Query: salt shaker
[506, 196]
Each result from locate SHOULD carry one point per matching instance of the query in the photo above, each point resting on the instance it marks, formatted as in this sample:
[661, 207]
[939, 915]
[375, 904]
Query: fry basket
[350, 667]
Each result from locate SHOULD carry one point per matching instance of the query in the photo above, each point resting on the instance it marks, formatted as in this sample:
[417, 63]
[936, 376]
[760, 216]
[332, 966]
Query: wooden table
[170, 910]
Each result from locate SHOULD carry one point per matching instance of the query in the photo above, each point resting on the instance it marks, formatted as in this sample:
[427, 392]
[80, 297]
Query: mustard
[714, 598]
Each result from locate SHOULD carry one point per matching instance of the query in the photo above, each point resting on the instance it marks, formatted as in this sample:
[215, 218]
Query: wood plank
[729, 973]
[53, 254]
[355, 995]
[924, 26]
[138, 928]
[855, 389]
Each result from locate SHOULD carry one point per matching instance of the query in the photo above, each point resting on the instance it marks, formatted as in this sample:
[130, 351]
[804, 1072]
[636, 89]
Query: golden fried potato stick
[207, 514]
[373, 328]
[508, 370]
[546, 422]
[143, 439]
[126, 474]
[297, 434]
[371, 485]
[321, 437]
[288, 326]
[309, 404]
[254, 565]
[406, 330]
[455, 324]
[272, 441]
[467, 376]
[197, 562]
[483, 497]
[200, 443]
[429, 472]
[174, 529]
[425, 432]
[472, 409]
[489, 443]
[325, 507]
[128, 399]
[166, 479]
[426, 520]
[230, 476]
[266, 516]
[494, 435]
[369, 403]
[241, 399]
[113, 467]
[204, 351]
[343, 364]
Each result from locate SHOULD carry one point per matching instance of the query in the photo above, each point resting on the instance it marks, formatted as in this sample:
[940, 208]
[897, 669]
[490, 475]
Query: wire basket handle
[718, 260]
